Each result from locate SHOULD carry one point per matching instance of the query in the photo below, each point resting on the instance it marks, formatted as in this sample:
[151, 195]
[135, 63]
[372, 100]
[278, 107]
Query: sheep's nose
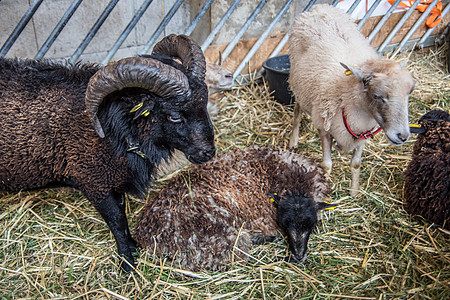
[403, 137]
[297, 258]
[207, 154]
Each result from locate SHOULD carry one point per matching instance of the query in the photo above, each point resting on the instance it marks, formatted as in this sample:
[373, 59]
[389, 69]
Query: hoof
[326, 168]
[127, 265]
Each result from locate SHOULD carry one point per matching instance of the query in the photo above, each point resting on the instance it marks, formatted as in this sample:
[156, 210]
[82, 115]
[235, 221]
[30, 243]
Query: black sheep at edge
[427, 177]
[136, 112]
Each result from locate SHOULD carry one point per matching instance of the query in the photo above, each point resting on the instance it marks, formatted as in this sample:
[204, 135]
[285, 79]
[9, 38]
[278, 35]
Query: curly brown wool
[209, 215]
[427, 177]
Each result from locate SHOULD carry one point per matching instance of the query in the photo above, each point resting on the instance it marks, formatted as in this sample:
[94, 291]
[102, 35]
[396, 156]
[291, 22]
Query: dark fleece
[197, 217]
[427, 178]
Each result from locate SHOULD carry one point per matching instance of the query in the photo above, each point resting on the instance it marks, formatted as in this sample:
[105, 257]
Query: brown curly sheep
[208, 215]
[427, 184]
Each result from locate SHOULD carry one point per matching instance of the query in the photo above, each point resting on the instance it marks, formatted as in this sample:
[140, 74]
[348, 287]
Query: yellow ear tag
[348, 72]
[145, 113]
[329, 208]
[136, 107]
[272, 200]
[415, 125]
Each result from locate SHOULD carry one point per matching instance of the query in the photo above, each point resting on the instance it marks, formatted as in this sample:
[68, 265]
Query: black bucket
[277, 74]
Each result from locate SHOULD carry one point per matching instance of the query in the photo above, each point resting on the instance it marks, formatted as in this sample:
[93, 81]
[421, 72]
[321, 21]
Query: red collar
[362, 136]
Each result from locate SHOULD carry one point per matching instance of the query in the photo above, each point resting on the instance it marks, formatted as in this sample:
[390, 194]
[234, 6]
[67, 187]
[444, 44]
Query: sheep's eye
[174, 118]
[378, 97]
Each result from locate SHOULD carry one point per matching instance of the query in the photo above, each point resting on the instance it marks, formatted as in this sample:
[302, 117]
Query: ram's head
[165, 97]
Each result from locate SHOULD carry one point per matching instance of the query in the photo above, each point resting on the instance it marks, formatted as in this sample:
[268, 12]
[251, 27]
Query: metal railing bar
[263, 37]
[368, 14]
[335, 2]
[430, 41]
[285, 39]
[430, 30]
[126, 31]
[416, 25]
[219, 25]
[383, 20]
[242, 30]
[20, 27]
[398, 26]
[93, 31]
[309, 5]
[280, 45]
[353, 7]
[197, 18]
[161, 27]
[59, 27]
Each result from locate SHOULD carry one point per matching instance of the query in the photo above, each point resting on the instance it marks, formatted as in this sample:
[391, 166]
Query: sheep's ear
[220, 58]
[274, 198]
[352, 70]
[357, 72]
[325, 205]
[142, 109]
[416, 128]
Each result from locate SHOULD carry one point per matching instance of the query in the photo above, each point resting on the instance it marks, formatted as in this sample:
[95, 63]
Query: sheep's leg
[355, 164]
[132, 244]
[293, 141]
[112, 210]
[326, 140]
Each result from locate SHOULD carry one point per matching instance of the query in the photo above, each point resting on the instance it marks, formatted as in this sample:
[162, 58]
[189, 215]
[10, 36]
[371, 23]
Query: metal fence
[426, 40]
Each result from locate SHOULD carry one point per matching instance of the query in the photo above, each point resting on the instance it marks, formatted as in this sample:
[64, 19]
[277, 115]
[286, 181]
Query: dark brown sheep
[427, 178]
[202, 216]
[103, 130]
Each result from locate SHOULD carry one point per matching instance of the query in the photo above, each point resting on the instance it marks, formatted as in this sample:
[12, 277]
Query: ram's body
[335, 73]
[41, 144]
[136, 112]
[210, 213]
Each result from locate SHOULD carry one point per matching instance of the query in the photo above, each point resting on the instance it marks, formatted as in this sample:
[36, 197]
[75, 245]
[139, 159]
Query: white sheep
[218, 78]
[345, 86]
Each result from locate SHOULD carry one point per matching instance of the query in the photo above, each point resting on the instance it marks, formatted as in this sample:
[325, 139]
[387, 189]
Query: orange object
[435, 14]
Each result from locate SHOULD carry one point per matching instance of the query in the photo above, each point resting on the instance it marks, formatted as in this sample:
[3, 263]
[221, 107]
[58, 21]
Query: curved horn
[146, 73]
[183, 47]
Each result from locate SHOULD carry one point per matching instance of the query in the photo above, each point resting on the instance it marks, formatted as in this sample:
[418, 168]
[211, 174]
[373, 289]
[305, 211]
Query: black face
[297, 216]
[184, 121]
[188, 128]
[160, 125]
